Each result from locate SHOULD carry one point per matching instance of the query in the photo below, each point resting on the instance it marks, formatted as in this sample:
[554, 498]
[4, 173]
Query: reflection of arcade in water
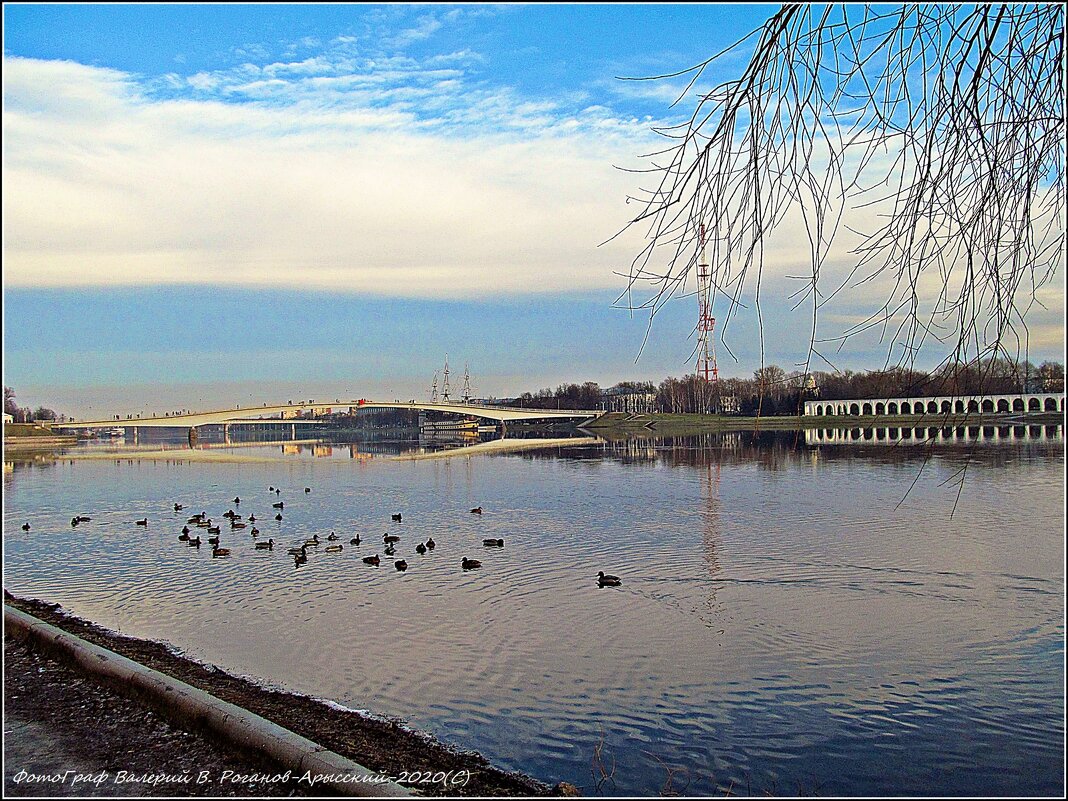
[937, 435]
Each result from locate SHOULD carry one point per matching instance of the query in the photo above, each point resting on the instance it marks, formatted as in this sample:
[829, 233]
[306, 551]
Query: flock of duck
[300, 552]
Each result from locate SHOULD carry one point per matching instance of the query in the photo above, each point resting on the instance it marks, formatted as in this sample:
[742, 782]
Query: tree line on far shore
[772, 390]
[26, 414]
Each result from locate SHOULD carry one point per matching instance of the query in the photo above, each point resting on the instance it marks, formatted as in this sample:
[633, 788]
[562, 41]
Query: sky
[213, 204]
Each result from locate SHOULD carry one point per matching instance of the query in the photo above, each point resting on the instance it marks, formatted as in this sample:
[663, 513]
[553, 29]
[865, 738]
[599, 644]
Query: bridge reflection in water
[942, 435]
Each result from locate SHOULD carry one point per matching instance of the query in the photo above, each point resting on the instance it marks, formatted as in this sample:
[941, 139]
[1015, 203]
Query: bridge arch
[854, 408]
[867, 408]
[1003, 405]
[1051, 405]
[880, 408]
[1034, 405]
[932, 407]
[988, 405]
[891, 408]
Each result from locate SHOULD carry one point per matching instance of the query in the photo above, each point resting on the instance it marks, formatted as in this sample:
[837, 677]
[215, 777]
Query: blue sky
[205, 203]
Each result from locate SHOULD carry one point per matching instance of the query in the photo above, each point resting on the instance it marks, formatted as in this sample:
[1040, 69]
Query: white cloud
[103, 186]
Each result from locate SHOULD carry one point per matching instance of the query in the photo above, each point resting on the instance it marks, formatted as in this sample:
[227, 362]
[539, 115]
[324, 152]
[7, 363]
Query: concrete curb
[197, 709]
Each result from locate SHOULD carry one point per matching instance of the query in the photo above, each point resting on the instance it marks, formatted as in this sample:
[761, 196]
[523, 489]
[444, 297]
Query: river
[796, 615]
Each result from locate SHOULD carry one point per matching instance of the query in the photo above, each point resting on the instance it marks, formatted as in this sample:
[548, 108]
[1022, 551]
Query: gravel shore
[53, 700]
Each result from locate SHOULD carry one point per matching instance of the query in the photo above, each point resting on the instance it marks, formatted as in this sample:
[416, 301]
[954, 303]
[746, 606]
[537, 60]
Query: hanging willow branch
[940, 126]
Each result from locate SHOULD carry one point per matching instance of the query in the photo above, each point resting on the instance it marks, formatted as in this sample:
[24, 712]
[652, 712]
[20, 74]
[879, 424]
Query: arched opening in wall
[867, 408]
[1034, 405]
[1051, 404]
[945, 407]
[854, 434]
[960, 407]
[891, 408]
[868, 434]
[880, 434]
[973, 432]
[854, 408]
[1052, 431]
[892, 433]
[906, 433]
[1034, 431]
[1019, 432]
[988, 405]
[932, 407]
[1018, 405]
[880, 408]
[973, 405]
[1004, 432]
[906, 408]
[932, 432]
[988, 432]
[1003, 405]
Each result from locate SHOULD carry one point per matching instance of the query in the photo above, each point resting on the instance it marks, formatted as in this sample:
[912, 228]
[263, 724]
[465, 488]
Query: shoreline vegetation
[387, 745]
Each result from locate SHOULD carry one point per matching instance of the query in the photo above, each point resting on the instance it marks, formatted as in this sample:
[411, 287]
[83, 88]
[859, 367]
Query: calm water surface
[839, 617]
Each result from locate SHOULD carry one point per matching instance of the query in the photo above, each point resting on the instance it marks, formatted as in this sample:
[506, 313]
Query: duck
[238, 525]
[430, 544]
[420, 549]
[333, 536]
[371, 560]
[202, 523]
[301, 551]
[229, 514]
[279, 505]
[177, 507]
[401, 565]
[355, 540]
[493, 543]
[74, 522]
[255, 532]
[470, 564]
[213, 529]
[265, 546]
[270, 489]
[307, 489]
[213, 540]
[333, 548]
[196, 518]
[300, 559]
[387, 538]
[142, 522]
[195, 541]
[277, 492]
[237, 500]
[252, 518]
[184, 536]
[477, 510]
[278, 516]
[185, 530]
[83, 519]
[313, 541]
[389, 550]
[608, 581]
[220, 551]
[396, 517]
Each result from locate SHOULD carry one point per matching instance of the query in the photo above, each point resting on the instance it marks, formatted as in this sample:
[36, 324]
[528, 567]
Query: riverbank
[619, 424]
[383, 744]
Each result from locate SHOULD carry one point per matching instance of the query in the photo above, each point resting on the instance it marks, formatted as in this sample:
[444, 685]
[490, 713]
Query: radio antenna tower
[467, 385]
[706, 323]
[445, 382]
[434, 389]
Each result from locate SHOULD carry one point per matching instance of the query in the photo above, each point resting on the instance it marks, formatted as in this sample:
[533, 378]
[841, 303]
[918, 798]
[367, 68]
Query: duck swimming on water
[608, 581]
[371, 560]
[493, 543]
[470, 564]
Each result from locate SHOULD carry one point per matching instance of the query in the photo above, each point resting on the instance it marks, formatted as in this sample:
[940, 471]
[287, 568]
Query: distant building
[728, 404]
[8, 418]
[618, 399]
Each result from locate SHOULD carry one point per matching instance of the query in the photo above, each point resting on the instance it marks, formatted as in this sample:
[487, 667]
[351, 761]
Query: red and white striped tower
[706, 323]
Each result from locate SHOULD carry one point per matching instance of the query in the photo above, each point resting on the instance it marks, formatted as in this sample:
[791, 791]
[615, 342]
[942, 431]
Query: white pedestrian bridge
[950, 404]
[277, 413]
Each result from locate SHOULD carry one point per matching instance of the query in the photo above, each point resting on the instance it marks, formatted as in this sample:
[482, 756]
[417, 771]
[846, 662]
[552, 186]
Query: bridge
[955, 404]
[255, 414]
